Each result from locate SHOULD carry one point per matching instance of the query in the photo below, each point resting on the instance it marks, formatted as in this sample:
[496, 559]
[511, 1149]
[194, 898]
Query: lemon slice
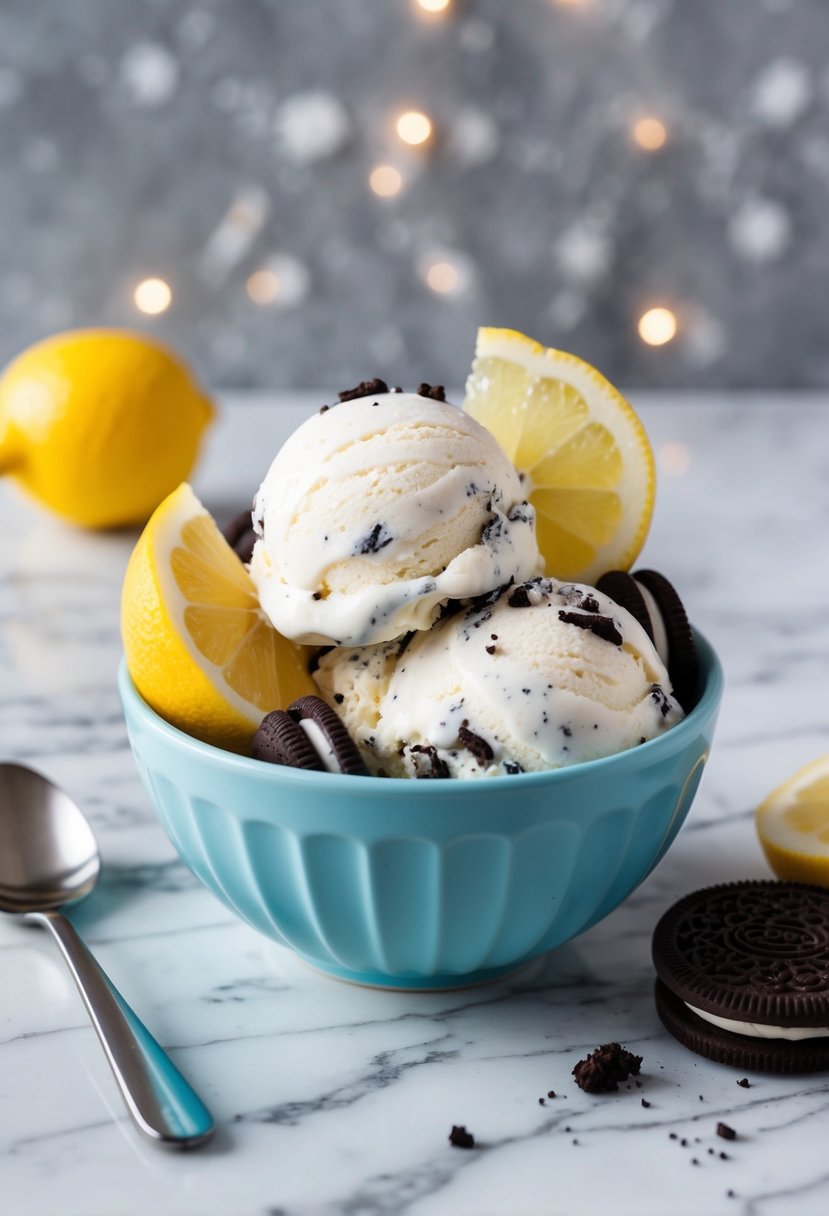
[199, 648]
[793, 825]
[586, 461]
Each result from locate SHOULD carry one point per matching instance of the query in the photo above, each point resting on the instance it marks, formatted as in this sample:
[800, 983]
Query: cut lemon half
[793, 825]
[584, 455]
[199, 648]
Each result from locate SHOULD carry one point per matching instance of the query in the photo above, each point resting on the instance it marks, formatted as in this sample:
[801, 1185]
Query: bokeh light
[153, 296]
[386, 181]
[650, 133]
[414, 127]
[433, 7]
[443, 277]
[657, 326]
[263, 286]
[674, 458]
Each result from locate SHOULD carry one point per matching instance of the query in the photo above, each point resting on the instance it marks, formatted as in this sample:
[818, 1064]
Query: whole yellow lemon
[100, 425]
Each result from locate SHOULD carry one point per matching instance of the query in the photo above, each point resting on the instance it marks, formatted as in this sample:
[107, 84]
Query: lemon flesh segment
[793, 825]
[584, 456]
[198, 646]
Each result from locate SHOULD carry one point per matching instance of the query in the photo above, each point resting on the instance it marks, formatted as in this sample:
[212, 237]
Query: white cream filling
[320, 744]
[756, 1030]
[660, 635]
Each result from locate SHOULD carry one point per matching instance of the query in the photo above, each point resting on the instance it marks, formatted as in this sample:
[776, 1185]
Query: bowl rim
[670, 742]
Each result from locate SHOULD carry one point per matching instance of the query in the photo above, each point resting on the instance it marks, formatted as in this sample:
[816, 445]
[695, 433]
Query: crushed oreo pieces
[473, 743]
[725, 1132]
[604, 1068]
[660, 698]
[375, 540]
[603, 627]
[423, 755]
[459, 1137]
[519, 598]
[366, 388]
[435, 392]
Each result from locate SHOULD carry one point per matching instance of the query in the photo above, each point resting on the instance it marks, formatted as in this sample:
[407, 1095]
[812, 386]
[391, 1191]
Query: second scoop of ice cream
[536, 676]
[376, 511]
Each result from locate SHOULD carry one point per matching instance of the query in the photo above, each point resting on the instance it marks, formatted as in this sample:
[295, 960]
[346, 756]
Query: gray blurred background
[227, 148]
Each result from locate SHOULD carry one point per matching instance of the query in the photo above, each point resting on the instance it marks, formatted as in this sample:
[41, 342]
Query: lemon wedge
[199, 648]
[582, 452]
[793, 825]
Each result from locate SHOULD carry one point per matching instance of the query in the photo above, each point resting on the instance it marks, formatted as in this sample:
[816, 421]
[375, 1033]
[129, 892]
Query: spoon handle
[159, 1099]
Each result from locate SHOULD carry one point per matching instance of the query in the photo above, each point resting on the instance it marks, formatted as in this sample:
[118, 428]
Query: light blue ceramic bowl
[422, 884]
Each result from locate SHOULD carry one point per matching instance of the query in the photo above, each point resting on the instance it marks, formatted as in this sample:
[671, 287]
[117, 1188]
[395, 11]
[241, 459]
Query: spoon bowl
[48, 853]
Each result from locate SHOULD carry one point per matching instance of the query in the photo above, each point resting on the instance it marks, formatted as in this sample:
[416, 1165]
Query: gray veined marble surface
[338, 1099]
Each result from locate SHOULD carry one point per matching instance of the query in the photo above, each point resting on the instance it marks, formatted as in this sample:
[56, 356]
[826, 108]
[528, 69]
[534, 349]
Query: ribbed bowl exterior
[421, 884]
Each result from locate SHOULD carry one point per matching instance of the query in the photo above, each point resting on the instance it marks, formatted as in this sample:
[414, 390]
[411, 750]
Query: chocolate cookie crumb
[724, 1157]
[541, 1102]
[745, 1083]
[438, 768]
[519, 598]
[473, 743]
[604, 1068]
[436, 392]
[366, 388]
[489, 649]
[377, 539]
[726, 1132]
[339, 698]
[459, 1137]
[551, 1093]
[602, 626]
[645, 1103]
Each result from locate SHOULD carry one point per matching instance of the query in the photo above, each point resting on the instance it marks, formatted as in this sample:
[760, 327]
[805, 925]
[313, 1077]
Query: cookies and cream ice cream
[534, 676]
[377, 511]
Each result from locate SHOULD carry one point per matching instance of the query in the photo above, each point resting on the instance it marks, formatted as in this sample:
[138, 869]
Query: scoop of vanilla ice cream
[533, 677]
[376, 511]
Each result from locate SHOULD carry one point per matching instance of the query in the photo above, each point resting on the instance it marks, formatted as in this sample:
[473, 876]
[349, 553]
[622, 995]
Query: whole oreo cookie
[744, 975]
[655, 604]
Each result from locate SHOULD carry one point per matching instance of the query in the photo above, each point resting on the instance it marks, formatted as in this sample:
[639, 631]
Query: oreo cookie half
[308, 735]
[681, 660]
[280, 740]
[744, 975]
[328, 735]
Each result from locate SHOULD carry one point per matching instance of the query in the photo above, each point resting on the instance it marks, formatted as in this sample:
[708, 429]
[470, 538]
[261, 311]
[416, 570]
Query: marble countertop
[332, 1098]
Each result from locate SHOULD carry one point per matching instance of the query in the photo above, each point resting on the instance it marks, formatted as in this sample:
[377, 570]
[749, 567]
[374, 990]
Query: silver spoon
[48, 859]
